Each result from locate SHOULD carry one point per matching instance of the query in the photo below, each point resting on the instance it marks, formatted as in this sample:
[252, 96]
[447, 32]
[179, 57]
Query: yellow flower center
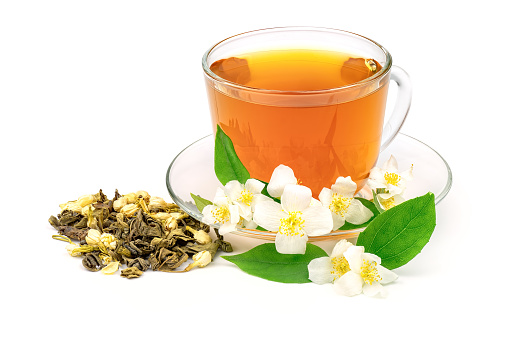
[221, 214]
[369, 272]
[292, 225]
[246, 197]
[339, 266]
[387, 203]
[340, 204]
[392, 178]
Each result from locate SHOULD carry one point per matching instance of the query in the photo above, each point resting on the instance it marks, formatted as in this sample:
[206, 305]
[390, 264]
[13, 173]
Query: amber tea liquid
[320, 136]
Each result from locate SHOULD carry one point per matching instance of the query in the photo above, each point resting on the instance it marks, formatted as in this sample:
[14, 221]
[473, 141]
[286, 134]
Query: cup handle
[401, 107]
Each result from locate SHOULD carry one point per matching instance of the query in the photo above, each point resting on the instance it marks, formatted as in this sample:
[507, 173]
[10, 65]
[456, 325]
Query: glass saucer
[192, 171]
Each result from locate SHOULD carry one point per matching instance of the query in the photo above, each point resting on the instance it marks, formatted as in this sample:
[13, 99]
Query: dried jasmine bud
[170, 225]
[129, 210]
[73, 249]
[85, 200]
[71, 206]
[201, 259]
[87, 210]
[161, 216]
[119, 203]
[131, 198]
[93, 237]
[200, 236]
[156, 204]
[131, 272]
[144, 195]
[108, 240]
[179, 216]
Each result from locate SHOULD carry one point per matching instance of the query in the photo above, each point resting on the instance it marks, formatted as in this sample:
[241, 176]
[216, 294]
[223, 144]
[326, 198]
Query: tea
[288, 112]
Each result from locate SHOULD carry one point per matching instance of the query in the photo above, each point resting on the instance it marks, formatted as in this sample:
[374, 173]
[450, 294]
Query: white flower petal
[341, 248]
[258, 198]
[220, 196]
[372, 289]
[358, 213]
[315, 202]
[232, 189]
[354, 257]
[387, 276]
[391, 165]
[282, 176]
[337, 221]
[227, 227]
[254, 186]
[376, 174]
[408, 174]
[325, 196]
[208, 217]
[244, 210]
[398, 199]
[291, 244]
[234, 214]
[295, 198]
[268, 214]
[349, 284]
[372, 257]
[249, 224]
[374, 184]
[345, 187]
[384, 196]
[393, 189]
[317, 220]
[320, 270]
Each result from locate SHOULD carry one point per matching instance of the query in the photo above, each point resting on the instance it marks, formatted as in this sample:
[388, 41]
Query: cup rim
[385, 69]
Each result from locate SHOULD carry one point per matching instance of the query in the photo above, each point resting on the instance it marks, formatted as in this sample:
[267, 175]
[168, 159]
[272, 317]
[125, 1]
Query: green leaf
[227, 164]
[400, 233]
[371, 206]
[200, 202]
[265, 262]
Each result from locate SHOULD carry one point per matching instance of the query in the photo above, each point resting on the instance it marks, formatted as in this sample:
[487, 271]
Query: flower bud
[170, 224]
[87, 209]
[161, 216]
[85, 200]
[200, 236]
[93, 237]
[109, 240]
[131, 198]
[70, 247]
[119, 203]
[156, 203]
[202, 259]
[129, 210]
[144, 195]
[71, 206]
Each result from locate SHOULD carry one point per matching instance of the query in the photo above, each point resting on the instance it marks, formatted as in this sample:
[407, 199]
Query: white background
[104, 94]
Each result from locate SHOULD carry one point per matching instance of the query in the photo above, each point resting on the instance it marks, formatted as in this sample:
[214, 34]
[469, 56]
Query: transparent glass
[192, 171]
[320, 133]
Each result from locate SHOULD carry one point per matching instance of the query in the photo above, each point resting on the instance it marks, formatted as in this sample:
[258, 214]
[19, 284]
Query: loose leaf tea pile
[135, 230]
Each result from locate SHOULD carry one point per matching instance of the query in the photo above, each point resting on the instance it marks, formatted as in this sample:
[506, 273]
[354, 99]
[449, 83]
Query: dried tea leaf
[92, 262]
[131, 272]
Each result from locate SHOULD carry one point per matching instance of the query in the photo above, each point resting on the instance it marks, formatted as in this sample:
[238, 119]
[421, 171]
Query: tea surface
[318, 141]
